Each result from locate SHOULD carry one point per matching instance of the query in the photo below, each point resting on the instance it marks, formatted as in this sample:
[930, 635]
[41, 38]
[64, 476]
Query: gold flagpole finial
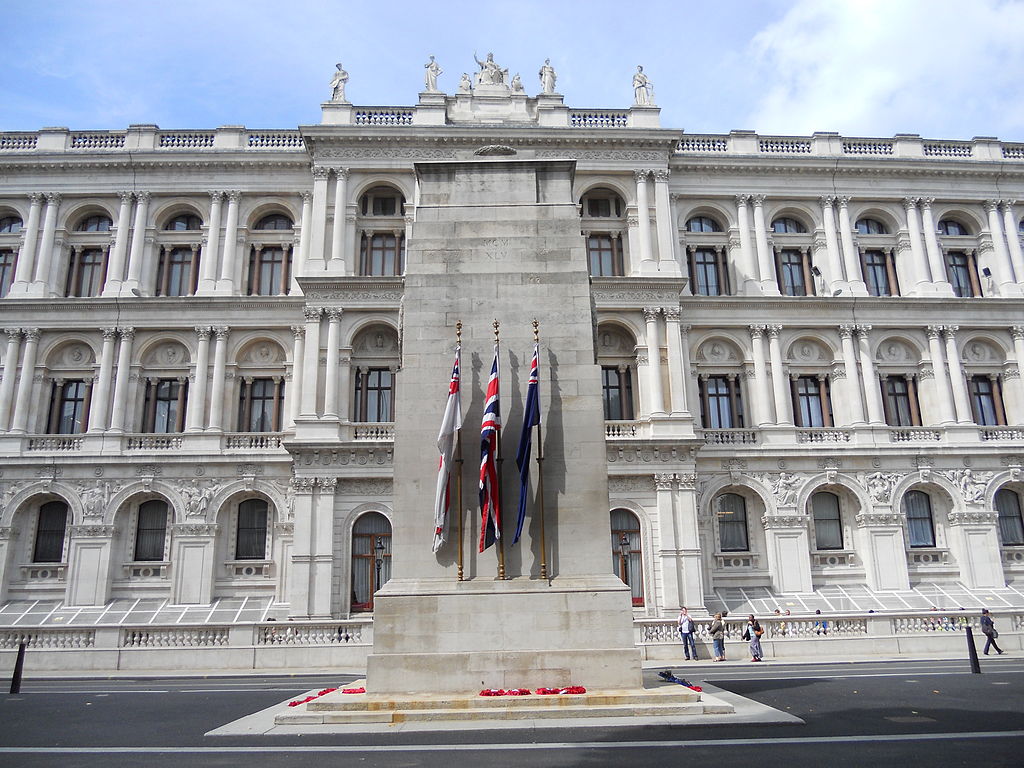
[536, 331]
[496, 325]
[458, 332]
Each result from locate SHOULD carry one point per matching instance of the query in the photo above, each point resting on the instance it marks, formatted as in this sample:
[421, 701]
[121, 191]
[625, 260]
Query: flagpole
[499, 460]
[458, 466]
[540, 474]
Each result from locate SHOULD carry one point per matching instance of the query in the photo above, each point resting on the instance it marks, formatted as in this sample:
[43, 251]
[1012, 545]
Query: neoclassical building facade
[810, 352]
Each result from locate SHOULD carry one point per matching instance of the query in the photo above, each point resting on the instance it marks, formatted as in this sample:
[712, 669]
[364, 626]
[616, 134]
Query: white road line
[490, 747]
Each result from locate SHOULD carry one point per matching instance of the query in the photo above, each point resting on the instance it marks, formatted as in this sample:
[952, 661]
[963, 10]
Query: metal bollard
[19, 665]
[973, 653]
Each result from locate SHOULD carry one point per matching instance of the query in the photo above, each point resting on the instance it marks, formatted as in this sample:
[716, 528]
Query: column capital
[926, 202]
[949, 331]
[143, 197]
[108, 333]
[31, 334]
[632, 222]
[307, 197]
[641, 175]
[1008, 205]
[910, 203]
[651, 313]
[53, 198]
[215, 195]
[773, 330]
[991, 206]
[203, 332]
[660, 176]
[125, 196]
[671, 314]
[675, 197]
[862, 329]
[321, 172]
[298, 331]
[13, 334]
[1017, 332]
[312, 313]
[303, 484]
[742, 200]
[933, 331]
[757, 200]
[827, 201]
[843, 200]
[221, 332]
[342, 173]
[327, 483]
[846, 330]
[35, 198]
[756, 331]
[233, 196]
[664, 481]
[334, 314]
[126, 333]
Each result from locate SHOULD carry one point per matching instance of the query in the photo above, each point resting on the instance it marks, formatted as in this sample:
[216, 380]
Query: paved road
[874, 714]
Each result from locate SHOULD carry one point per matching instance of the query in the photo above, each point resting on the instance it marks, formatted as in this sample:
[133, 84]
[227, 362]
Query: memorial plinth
[499, 239]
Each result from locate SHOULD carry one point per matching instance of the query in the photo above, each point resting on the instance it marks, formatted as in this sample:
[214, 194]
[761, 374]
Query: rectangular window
[962, 272]
[811, 405]
[375, 395]
[381, 255]
[165, 406]
[8, 262]
[177, 272]
[617, 391]
[721, 403]
[879, 273]
[708, 273]
[50, 526]
[1011, 525]
[920, 528]
[732, 523]
[69, 408]
[269, 271]
[794, 273]
[259, 405]
[150, 531]
[251, 541]
[604, 253]
[86, 272]
[899, 400]
[987, 401]
[828, 522]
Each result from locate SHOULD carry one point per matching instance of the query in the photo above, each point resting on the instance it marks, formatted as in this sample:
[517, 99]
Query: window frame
[987, 408]
[721, 407]
[617, 387]
[37, 538]
[628, 568]
[8, 269]
[812, 400]
[256, 534]
[900, 408]
[1009, 518]
[79, 401]
[736, 525]
[165, 411]
[923, 512]
[248, 400]
[143, 527]
[371, 393]
[604, 258]
[364, 562]
[831, 523]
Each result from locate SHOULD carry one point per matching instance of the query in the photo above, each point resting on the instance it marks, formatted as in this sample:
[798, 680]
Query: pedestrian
[717, 632]
[752, 633]
[820, 625]
[988, 628]
[686, 630]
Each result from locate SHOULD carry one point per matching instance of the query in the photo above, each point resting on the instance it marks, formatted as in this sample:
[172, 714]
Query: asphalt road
[866, 714]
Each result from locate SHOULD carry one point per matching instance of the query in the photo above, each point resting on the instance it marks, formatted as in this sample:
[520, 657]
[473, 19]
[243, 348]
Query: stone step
[336, 701]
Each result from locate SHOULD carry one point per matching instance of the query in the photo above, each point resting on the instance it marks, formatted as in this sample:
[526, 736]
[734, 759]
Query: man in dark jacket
[988, 628]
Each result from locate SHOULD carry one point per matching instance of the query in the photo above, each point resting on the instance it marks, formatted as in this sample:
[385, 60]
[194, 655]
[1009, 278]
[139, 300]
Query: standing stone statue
[517, 84]
[643, 88]
[338, 84]
[490, 73]
[433, 69]
[547, 77]
[465, 84]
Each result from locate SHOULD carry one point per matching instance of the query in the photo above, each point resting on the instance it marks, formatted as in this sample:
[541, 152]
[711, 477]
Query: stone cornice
[853, 166]
[636, 292]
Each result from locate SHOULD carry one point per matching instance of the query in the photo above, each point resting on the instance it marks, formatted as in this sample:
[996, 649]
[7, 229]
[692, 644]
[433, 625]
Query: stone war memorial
[777, 375]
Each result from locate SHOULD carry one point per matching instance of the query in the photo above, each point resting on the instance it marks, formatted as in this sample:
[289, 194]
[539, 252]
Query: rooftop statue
[490, 73]
[465, 84]
[517, 85]
[433, 69]
[643, 88]
[338, 84]
[547, 77]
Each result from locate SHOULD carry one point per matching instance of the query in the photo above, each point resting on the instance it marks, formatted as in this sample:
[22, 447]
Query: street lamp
[379, 560]
[624, 548]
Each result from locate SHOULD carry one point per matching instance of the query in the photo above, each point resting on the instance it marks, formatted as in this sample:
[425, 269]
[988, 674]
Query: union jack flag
[490, 434]
[446, 438]
[531, 418]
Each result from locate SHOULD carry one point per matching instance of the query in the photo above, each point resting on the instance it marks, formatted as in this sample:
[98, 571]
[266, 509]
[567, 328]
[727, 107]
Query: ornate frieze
[784, 521]
[91, 531]
[972, 517]
[630, 484]
[879, 519]
[881, 484]
[195, 529]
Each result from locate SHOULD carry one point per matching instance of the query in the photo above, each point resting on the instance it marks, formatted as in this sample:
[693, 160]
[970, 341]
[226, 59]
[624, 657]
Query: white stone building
[810, 350]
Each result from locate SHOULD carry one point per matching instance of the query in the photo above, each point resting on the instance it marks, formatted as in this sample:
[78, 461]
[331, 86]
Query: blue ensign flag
[531, 418]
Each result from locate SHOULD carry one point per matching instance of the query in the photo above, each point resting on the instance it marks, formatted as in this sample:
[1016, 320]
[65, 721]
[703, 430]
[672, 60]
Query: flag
[490, 432]
[531, 418]
[450, 426]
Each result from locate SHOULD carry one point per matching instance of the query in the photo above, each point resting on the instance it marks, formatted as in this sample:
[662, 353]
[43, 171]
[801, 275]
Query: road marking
[491, 747]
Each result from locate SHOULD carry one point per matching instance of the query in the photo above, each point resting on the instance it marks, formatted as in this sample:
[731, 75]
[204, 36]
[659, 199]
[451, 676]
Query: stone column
[850, 256]
[9, 375]
[295, 390]
[302, 549]
[345, 385]
[765, 267]
[322, 559]
[748, 261]
[89, 548]
[666, 226]
[197, 395]
[331, 372]
[780, 388]
[121, 379]
[115, 269]
[23, 402]
[315, 257]
[654, 361]
[1003, 269]
[208, 267]
[690, 562]
[764, 412]
[941, 373]
[917, 249]
[44, 261]
[220, 355]
[643, 217]
[230, 251]
[338, 257]
[872, 390]
[961, 400]
[835, 267]
[678, 255]
[668, 558]
[305, 234]
[101, 396]
[936, 265]
[678, 361]
[136, 255]
[27, 254]
[311, 362]
[1013, 240]
[1017, 331]
[852, 389]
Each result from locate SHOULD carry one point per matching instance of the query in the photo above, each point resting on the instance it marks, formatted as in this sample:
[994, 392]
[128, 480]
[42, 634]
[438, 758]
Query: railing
[252, 440]
[822, 435]
[730, 436]
[915, 435]
[59, 444]
[659, 631]
[384, 116]
[48, 638]
[174, 637]
[18, 142]
[834, 559]
[1013, 151]
[928, 557]
[44, 572]
[334, 633]
[598, 118]
[622, 429]
[153, 442]
[185, 139]
[276, 140]
[728, 560]
[1002, 433]
[948, 149]
[780, 146]
[374, 430]
[98, 140]
[1014, 556]
[702, 144]
[868, 146]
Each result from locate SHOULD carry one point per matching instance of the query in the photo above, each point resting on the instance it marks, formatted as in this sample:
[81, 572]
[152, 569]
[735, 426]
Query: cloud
[878, 67]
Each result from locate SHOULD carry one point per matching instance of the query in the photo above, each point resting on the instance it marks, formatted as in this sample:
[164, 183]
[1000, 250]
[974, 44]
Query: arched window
[151, 531]
[371, 559]
[187, 221]
[50, 527]
[703, 224]
[953, 228]
[920, 526]
[871, 227]
[382, 201]
[603, 222]
[274, 221]
[10, 225]
[828, 523]
[732, 523]
[601, 204]
[1011, 526]
[627, 557]
[95, 223]
[785, 225]
[251, 530]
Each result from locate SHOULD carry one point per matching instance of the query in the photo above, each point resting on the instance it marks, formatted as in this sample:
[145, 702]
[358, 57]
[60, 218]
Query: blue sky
[940, 68]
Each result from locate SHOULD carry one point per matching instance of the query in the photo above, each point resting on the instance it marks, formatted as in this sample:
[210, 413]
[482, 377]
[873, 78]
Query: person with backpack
[752, 633]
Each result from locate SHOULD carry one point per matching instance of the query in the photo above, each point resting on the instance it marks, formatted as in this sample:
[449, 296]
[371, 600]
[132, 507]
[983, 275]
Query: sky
[949, 69]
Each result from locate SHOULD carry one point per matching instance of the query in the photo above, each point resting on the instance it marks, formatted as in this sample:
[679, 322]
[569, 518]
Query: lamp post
[378, 549]
[624, 548]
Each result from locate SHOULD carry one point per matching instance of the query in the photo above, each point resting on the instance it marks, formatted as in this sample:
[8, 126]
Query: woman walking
[717, 632]
[752, 633]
